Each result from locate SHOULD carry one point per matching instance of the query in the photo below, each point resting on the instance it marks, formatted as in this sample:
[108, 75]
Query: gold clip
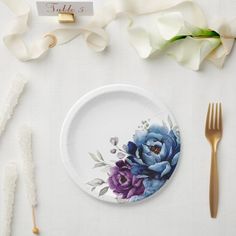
[53, 40]
[65, 17]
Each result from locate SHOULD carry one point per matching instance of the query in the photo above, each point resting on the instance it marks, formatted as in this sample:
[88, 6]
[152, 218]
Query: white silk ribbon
[152, 25]
[227, 31]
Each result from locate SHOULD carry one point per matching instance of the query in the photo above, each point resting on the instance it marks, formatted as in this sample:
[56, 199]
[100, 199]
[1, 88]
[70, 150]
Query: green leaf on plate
[93, 156]
[103, 191]
[96, 182]
[100, 156]
[100, 164]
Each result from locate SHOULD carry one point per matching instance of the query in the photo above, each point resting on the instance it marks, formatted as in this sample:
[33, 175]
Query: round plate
[120, 144]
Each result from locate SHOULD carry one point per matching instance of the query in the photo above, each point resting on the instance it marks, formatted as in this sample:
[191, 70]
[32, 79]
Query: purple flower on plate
[123, 183]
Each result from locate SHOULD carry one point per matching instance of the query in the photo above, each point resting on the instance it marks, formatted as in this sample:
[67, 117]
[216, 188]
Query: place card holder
[66, 11]
[66, 17]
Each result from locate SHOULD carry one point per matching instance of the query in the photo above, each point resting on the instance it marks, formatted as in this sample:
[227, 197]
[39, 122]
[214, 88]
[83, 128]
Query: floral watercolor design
[143, 165]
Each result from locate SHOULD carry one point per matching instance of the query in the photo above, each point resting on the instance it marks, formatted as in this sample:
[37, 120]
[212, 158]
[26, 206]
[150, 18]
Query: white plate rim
[79, 104]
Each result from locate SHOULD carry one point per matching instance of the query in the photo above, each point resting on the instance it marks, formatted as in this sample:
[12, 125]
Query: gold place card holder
[66, 12]
[66, 17]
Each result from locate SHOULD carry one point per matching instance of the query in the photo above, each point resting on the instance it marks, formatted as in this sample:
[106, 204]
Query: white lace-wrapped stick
[9, 187]
[25, 140]
[11, 101]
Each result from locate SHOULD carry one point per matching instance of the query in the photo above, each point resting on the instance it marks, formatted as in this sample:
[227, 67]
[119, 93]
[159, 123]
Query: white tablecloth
[68, 72]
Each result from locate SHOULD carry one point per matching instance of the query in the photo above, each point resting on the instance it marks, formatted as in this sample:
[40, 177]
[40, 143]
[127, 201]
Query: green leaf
[100, 156]
[93, 156]
[96, 182]
[100, 164]
[177, 37]
[103, 191]
[201, 33]
[205, 33]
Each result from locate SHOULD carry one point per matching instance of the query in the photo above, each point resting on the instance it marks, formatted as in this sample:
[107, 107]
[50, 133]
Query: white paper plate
[140, 163]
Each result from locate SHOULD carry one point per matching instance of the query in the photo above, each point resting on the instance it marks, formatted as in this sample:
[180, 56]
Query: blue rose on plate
[153, 155]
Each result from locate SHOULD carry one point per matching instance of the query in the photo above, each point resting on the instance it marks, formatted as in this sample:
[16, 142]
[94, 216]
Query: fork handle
[214, 185]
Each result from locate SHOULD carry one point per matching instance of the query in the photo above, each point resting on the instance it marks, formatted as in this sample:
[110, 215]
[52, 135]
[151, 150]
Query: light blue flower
[154, 152]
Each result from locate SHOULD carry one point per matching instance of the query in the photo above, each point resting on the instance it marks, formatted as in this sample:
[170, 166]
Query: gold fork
[213, 132]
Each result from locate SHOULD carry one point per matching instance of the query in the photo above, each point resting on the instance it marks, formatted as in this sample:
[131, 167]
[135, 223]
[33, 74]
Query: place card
[49, 8]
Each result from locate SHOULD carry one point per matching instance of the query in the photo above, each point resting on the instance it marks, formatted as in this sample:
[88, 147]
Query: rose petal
[163, 152]
[131, 148]
[175, 159]
[148, 159]
[162, 167]
[131, 192]
[140, 137]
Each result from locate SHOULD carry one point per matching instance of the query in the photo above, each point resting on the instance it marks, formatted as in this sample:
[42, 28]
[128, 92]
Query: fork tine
[220, 118]
[212, 116]
[208, 117]
[217, 115]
